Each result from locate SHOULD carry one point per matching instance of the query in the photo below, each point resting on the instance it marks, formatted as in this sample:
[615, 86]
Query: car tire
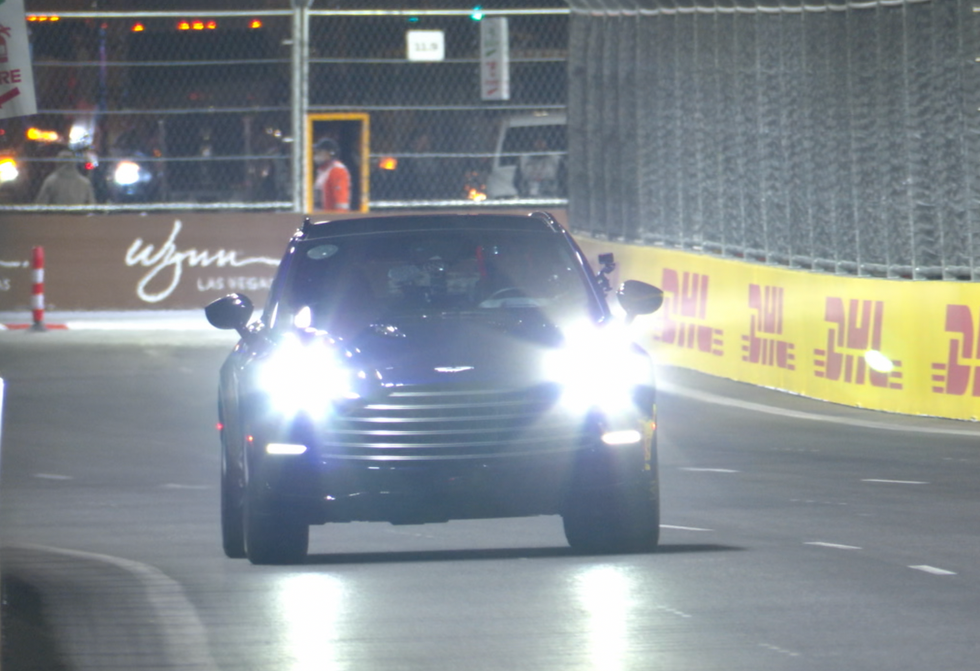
[232, 511]
[615, 521]
[271, 537]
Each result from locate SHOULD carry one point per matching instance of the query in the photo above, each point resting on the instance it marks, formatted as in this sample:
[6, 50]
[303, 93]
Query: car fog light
[627, 437]
[285, 448]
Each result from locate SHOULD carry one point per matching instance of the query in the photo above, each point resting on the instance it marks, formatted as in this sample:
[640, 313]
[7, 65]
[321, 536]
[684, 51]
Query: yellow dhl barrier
[893, 345]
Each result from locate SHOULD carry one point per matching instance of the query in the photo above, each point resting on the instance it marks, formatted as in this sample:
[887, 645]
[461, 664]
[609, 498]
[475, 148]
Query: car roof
[537, 221]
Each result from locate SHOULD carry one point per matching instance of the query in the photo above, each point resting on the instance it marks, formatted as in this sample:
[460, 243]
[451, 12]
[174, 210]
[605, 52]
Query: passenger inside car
[353, 282]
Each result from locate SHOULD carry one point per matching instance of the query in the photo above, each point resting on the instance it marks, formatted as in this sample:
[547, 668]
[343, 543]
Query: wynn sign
[140, 262]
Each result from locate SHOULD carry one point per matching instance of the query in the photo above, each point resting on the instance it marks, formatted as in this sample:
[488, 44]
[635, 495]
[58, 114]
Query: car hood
[505, 348]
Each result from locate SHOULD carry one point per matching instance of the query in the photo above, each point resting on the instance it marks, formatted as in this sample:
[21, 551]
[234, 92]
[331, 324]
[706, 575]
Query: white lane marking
[836, 546]
[797, 414]
[174, 485]
[52, 476]
[708, 470]
[180, 627]
[932, 569]
[671, 526]
[895, 482]
[776, 648]
[674, 611]
[816, 502]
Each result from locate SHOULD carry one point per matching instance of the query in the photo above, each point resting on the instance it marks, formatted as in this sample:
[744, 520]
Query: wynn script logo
[169, 262]
[5, 282]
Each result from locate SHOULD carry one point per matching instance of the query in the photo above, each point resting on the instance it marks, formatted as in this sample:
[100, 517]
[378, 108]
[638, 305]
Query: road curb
[110, 612]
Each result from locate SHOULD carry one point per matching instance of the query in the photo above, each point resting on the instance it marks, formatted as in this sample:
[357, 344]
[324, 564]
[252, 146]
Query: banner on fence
[494, 59]
[16, 75]
[144, 262]
[900, 346]
[131, 262]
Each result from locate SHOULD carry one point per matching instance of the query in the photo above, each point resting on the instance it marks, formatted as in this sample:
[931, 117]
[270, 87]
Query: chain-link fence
[839, 136]
[158, 108]
[432, 136]
[199, 108]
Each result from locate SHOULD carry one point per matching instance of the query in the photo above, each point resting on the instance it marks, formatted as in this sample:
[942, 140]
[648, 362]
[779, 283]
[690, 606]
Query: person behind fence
[538, 171]
[331, 190]
[66, 186]
[422, 173]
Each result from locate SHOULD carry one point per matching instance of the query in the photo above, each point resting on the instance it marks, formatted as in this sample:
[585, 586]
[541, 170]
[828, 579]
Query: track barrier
[910, 347]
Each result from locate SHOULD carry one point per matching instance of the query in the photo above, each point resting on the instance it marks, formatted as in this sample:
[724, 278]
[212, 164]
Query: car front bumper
[322, 489]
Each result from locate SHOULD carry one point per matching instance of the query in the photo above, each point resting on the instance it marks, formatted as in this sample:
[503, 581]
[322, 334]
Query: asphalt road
[797, 535]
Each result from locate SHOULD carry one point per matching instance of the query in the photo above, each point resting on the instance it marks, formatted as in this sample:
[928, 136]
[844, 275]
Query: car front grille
[419, 423]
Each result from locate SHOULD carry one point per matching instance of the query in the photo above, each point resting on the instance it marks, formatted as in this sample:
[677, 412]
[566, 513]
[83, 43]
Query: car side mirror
[639, 298]
[230, 312]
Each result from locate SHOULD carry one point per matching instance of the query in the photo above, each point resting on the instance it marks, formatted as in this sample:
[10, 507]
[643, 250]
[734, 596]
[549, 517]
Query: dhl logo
[761, 346]
[684, 311]
[856, 330]
[963, 363]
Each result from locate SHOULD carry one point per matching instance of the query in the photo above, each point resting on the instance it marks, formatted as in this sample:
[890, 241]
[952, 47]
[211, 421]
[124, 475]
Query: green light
[477, 13]
[413, 19]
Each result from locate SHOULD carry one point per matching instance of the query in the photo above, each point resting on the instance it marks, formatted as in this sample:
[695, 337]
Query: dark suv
[423, 368]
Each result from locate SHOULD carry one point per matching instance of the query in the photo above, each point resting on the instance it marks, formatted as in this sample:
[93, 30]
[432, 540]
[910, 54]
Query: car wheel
[232, 511]
[615, 521]
[271, 537]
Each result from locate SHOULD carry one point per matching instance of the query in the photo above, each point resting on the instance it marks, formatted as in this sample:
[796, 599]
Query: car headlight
[304, 377]
[127, 173]
[598, 368]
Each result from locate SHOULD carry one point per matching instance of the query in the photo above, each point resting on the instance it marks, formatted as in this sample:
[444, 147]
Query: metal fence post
[300, 98]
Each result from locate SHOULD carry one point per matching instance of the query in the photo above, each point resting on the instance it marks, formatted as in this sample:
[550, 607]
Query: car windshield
[344, 283]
